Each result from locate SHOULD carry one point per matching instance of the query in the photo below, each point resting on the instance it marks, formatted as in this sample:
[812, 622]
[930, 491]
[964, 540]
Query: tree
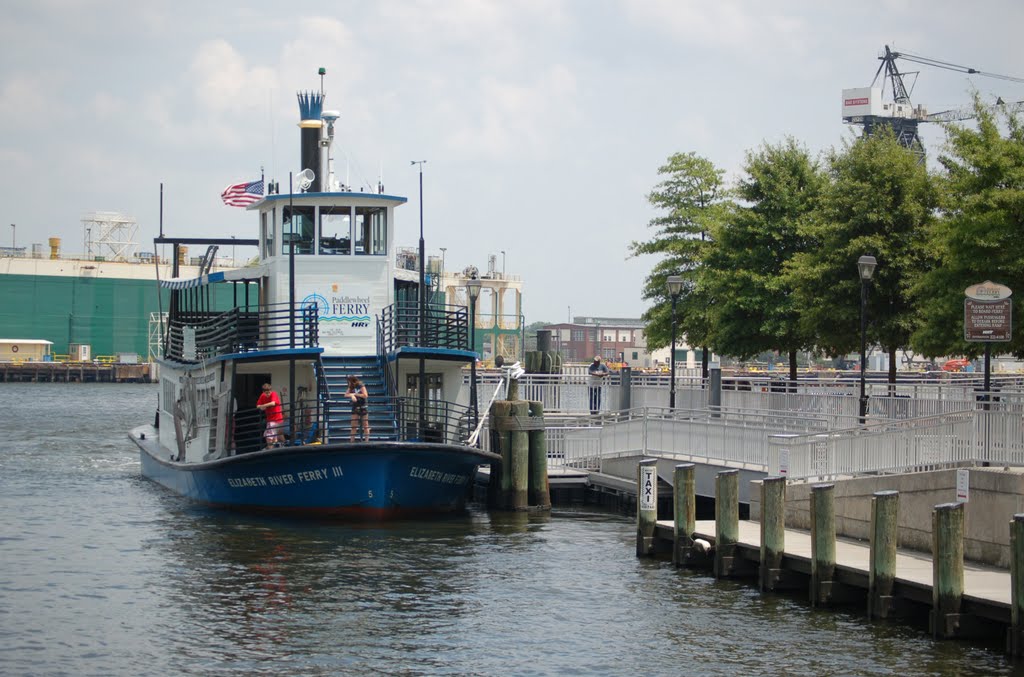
[979, 236]
[692, 197]
[879, 201]
[755, 309]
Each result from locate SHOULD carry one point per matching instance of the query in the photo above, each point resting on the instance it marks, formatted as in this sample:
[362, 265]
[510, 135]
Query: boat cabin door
[249, 422]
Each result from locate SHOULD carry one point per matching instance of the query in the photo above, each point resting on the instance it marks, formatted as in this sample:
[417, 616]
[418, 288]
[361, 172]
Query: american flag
[243, 194]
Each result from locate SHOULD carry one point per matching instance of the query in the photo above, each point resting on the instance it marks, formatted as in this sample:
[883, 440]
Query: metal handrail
[196, 336]
[445, 326]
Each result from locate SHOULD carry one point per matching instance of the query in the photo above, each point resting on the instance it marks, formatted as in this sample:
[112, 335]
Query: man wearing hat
[598, 372]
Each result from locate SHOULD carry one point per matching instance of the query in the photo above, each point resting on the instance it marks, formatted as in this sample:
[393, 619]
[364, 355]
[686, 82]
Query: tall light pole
[866, 268]
[473, 290]
[443, 250]
[503, 264]
[675, 285]
[423, 309]
[14, 231]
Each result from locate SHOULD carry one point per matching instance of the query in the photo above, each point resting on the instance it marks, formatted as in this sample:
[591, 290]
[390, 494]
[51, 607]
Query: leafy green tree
[756, 310]
[981, 234]
[692, 198]
[879, 201]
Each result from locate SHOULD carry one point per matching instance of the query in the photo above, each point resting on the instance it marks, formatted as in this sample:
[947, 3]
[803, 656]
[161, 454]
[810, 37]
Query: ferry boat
[323, 302]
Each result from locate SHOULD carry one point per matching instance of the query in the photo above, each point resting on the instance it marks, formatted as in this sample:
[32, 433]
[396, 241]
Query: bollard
[684, 512]
[646, 505]
[823, 543]
[882, 555]
[519, 453]
[539, 489]
[947, 569]
[773, 531]
[1015, 639]
[512, 393]
[727, 520]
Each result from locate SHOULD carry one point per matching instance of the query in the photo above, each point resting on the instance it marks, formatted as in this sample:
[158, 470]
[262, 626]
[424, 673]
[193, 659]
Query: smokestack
[310, 106]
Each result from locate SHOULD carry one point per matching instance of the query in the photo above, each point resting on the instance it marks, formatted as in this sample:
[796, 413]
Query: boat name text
[283, 479]
[436, 476]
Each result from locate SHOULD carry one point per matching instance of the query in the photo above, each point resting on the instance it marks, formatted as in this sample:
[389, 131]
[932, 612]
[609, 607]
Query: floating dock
[73, 372]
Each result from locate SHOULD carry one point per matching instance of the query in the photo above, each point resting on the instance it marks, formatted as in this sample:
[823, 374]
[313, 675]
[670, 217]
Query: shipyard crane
[865, 106]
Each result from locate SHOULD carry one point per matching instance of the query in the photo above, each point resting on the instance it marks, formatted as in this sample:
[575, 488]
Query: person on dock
[270, 404]
[598, 372]
[358, 396]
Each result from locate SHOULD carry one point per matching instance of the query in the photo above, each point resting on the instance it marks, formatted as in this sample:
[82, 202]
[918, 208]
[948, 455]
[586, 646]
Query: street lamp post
[503, 264]
[675, 285]
[14, 231]
[473, 289]
[866, 268]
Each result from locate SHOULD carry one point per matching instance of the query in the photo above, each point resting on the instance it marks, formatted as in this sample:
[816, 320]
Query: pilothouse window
[298, 231]
[267, 228]
[371, 231]
[335, 230]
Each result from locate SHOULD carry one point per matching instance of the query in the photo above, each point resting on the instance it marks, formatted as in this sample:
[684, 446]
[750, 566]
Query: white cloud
[726, 24]
[516, 118]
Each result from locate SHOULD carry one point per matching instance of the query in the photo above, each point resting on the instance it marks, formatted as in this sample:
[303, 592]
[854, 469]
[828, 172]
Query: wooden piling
[727, 521]
[539, 489]
[773, 531]
[513, 390]
[947, 569]
[519, 454]
[882, 553]
[496, 496]
[823, 543]
[684, 512]
[646, 505]
[1015, 633]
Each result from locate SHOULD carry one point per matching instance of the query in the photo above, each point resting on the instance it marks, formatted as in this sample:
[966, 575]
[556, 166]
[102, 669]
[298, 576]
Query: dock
[73, 372]
[986, 589]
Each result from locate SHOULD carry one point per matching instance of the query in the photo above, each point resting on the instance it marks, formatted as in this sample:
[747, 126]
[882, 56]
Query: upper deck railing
[443, 327]
[196, 336]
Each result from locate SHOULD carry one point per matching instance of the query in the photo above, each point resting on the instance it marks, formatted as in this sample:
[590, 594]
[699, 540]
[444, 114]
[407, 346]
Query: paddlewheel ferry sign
[988, 313]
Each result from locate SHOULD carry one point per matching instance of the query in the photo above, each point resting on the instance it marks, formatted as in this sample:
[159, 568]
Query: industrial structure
[869, 107]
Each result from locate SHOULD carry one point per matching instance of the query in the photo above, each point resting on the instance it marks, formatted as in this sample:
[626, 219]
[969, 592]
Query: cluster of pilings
[543, 360]
[829, 585]
[520, 481]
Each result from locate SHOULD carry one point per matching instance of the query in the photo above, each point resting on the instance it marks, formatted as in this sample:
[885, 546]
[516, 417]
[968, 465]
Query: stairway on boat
[369, 369]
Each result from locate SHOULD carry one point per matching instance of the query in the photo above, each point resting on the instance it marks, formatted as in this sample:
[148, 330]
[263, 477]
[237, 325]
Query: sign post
[988, 319]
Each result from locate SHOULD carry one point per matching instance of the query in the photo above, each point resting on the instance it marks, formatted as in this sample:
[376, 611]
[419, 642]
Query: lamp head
[473, 288]
[675, 284]
[866, 266]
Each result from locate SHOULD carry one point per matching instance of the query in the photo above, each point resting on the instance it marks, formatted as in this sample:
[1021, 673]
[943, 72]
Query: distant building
[615, 339]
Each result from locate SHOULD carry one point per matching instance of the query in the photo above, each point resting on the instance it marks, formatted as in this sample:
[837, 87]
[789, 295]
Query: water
[105, 573]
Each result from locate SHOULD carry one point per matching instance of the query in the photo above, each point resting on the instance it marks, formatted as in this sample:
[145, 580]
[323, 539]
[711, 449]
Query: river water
[105, 573]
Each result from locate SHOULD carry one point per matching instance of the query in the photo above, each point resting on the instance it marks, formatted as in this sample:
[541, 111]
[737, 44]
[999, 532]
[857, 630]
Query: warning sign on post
[988, 313]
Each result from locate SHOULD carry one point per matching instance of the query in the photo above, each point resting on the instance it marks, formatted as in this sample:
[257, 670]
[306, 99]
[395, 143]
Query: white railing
[909, 426]
[736, 437]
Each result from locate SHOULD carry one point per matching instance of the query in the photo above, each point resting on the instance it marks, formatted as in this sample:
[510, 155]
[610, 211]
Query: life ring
[14, 349]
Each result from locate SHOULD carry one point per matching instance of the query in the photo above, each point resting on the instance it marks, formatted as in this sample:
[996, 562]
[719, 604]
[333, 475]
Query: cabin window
[298, 231]
[335, 230]
[371, 231]
[267, 228]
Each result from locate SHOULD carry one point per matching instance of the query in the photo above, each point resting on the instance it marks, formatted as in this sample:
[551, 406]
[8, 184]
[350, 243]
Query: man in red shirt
[270, 404]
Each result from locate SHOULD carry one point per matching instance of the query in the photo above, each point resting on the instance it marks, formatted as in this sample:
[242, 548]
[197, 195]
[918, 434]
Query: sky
[542, 122]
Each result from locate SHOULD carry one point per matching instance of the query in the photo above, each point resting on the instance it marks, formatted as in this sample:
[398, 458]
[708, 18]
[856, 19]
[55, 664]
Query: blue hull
[370, 480]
